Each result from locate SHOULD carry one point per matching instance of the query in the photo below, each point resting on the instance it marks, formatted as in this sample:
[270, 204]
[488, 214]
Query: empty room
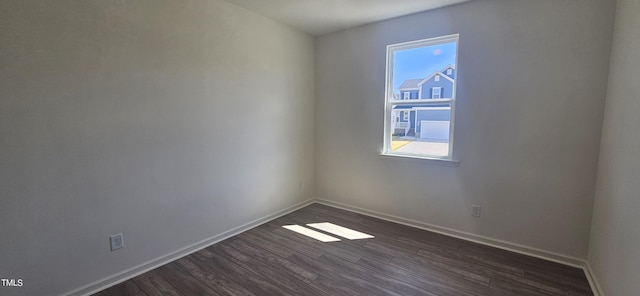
[320, 147]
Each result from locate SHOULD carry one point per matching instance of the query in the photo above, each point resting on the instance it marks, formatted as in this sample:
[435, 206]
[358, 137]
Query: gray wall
[531, 86]
[169, 121]
[615, 232]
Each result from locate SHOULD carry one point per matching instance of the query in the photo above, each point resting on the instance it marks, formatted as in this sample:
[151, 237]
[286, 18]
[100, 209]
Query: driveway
[422, 147]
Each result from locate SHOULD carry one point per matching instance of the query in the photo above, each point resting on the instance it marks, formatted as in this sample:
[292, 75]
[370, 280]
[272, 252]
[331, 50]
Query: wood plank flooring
[399, 260]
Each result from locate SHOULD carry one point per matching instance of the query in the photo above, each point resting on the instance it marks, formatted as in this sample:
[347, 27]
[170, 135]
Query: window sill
[426, 159]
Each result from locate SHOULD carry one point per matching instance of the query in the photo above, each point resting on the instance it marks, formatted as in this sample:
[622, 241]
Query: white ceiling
[318, 17]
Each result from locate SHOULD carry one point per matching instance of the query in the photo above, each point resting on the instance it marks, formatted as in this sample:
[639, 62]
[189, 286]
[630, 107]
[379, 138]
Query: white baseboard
[505, 245]
[115, 279]
[596, 288]
[593, 281]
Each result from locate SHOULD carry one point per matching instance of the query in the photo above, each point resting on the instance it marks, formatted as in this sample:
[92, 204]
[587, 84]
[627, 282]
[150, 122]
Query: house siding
[446, 84]
[412, 117]
[412, 94]
[453, 72]
[402, 116]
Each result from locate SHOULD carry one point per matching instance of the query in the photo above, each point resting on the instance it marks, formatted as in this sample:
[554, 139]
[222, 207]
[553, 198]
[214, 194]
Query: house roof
[411, 84]
[415, 84]
[447, 67]
[432, 75]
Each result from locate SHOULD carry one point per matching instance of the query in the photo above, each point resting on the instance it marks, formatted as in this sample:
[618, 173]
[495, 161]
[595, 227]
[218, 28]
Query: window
[405, 95]
[437, 78]
[449, 71]
[428, 134]
[436, 92]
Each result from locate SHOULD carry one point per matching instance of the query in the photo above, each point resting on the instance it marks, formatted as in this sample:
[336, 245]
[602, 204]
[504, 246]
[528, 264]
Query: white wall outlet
[117, 241]
[475, 211]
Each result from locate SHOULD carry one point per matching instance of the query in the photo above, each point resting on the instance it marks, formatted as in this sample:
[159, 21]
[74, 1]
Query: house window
[406, 95]
[436, 93]
[428, 134]
[449, 71]
[437, 78]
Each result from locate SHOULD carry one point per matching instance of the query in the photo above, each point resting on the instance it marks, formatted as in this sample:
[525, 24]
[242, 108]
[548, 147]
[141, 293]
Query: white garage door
[434, 130]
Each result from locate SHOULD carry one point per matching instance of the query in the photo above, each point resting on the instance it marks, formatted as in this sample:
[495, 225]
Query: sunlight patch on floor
[327, 227]
[340, 231]
[311, 233]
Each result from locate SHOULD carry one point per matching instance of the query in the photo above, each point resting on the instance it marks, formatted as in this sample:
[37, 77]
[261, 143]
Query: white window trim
[436, 78]
[449, 71]
[405, 115]
[406, 95]
[433, 92]
[390, 102]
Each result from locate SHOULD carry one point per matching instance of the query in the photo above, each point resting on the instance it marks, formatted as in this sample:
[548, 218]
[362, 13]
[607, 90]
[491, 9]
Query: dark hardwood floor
[399, 260]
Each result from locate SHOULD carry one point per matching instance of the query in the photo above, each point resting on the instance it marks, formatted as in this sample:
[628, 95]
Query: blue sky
[421, 62]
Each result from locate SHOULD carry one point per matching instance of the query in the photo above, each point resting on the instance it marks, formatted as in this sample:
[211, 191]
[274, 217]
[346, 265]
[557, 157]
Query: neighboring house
[408, 120]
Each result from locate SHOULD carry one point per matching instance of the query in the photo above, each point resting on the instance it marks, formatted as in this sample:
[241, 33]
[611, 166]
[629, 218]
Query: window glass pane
[426, 70]
[421, 69]
[425, 132]
[436, 93]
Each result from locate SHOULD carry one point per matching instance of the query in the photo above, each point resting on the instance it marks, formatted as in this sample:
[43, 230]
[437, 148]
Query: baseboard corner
[593, 280]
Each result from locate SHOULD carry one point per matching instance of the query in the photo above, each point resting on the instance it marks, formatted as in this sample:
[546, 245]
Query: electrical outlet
[117, 241]
[475, 211]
